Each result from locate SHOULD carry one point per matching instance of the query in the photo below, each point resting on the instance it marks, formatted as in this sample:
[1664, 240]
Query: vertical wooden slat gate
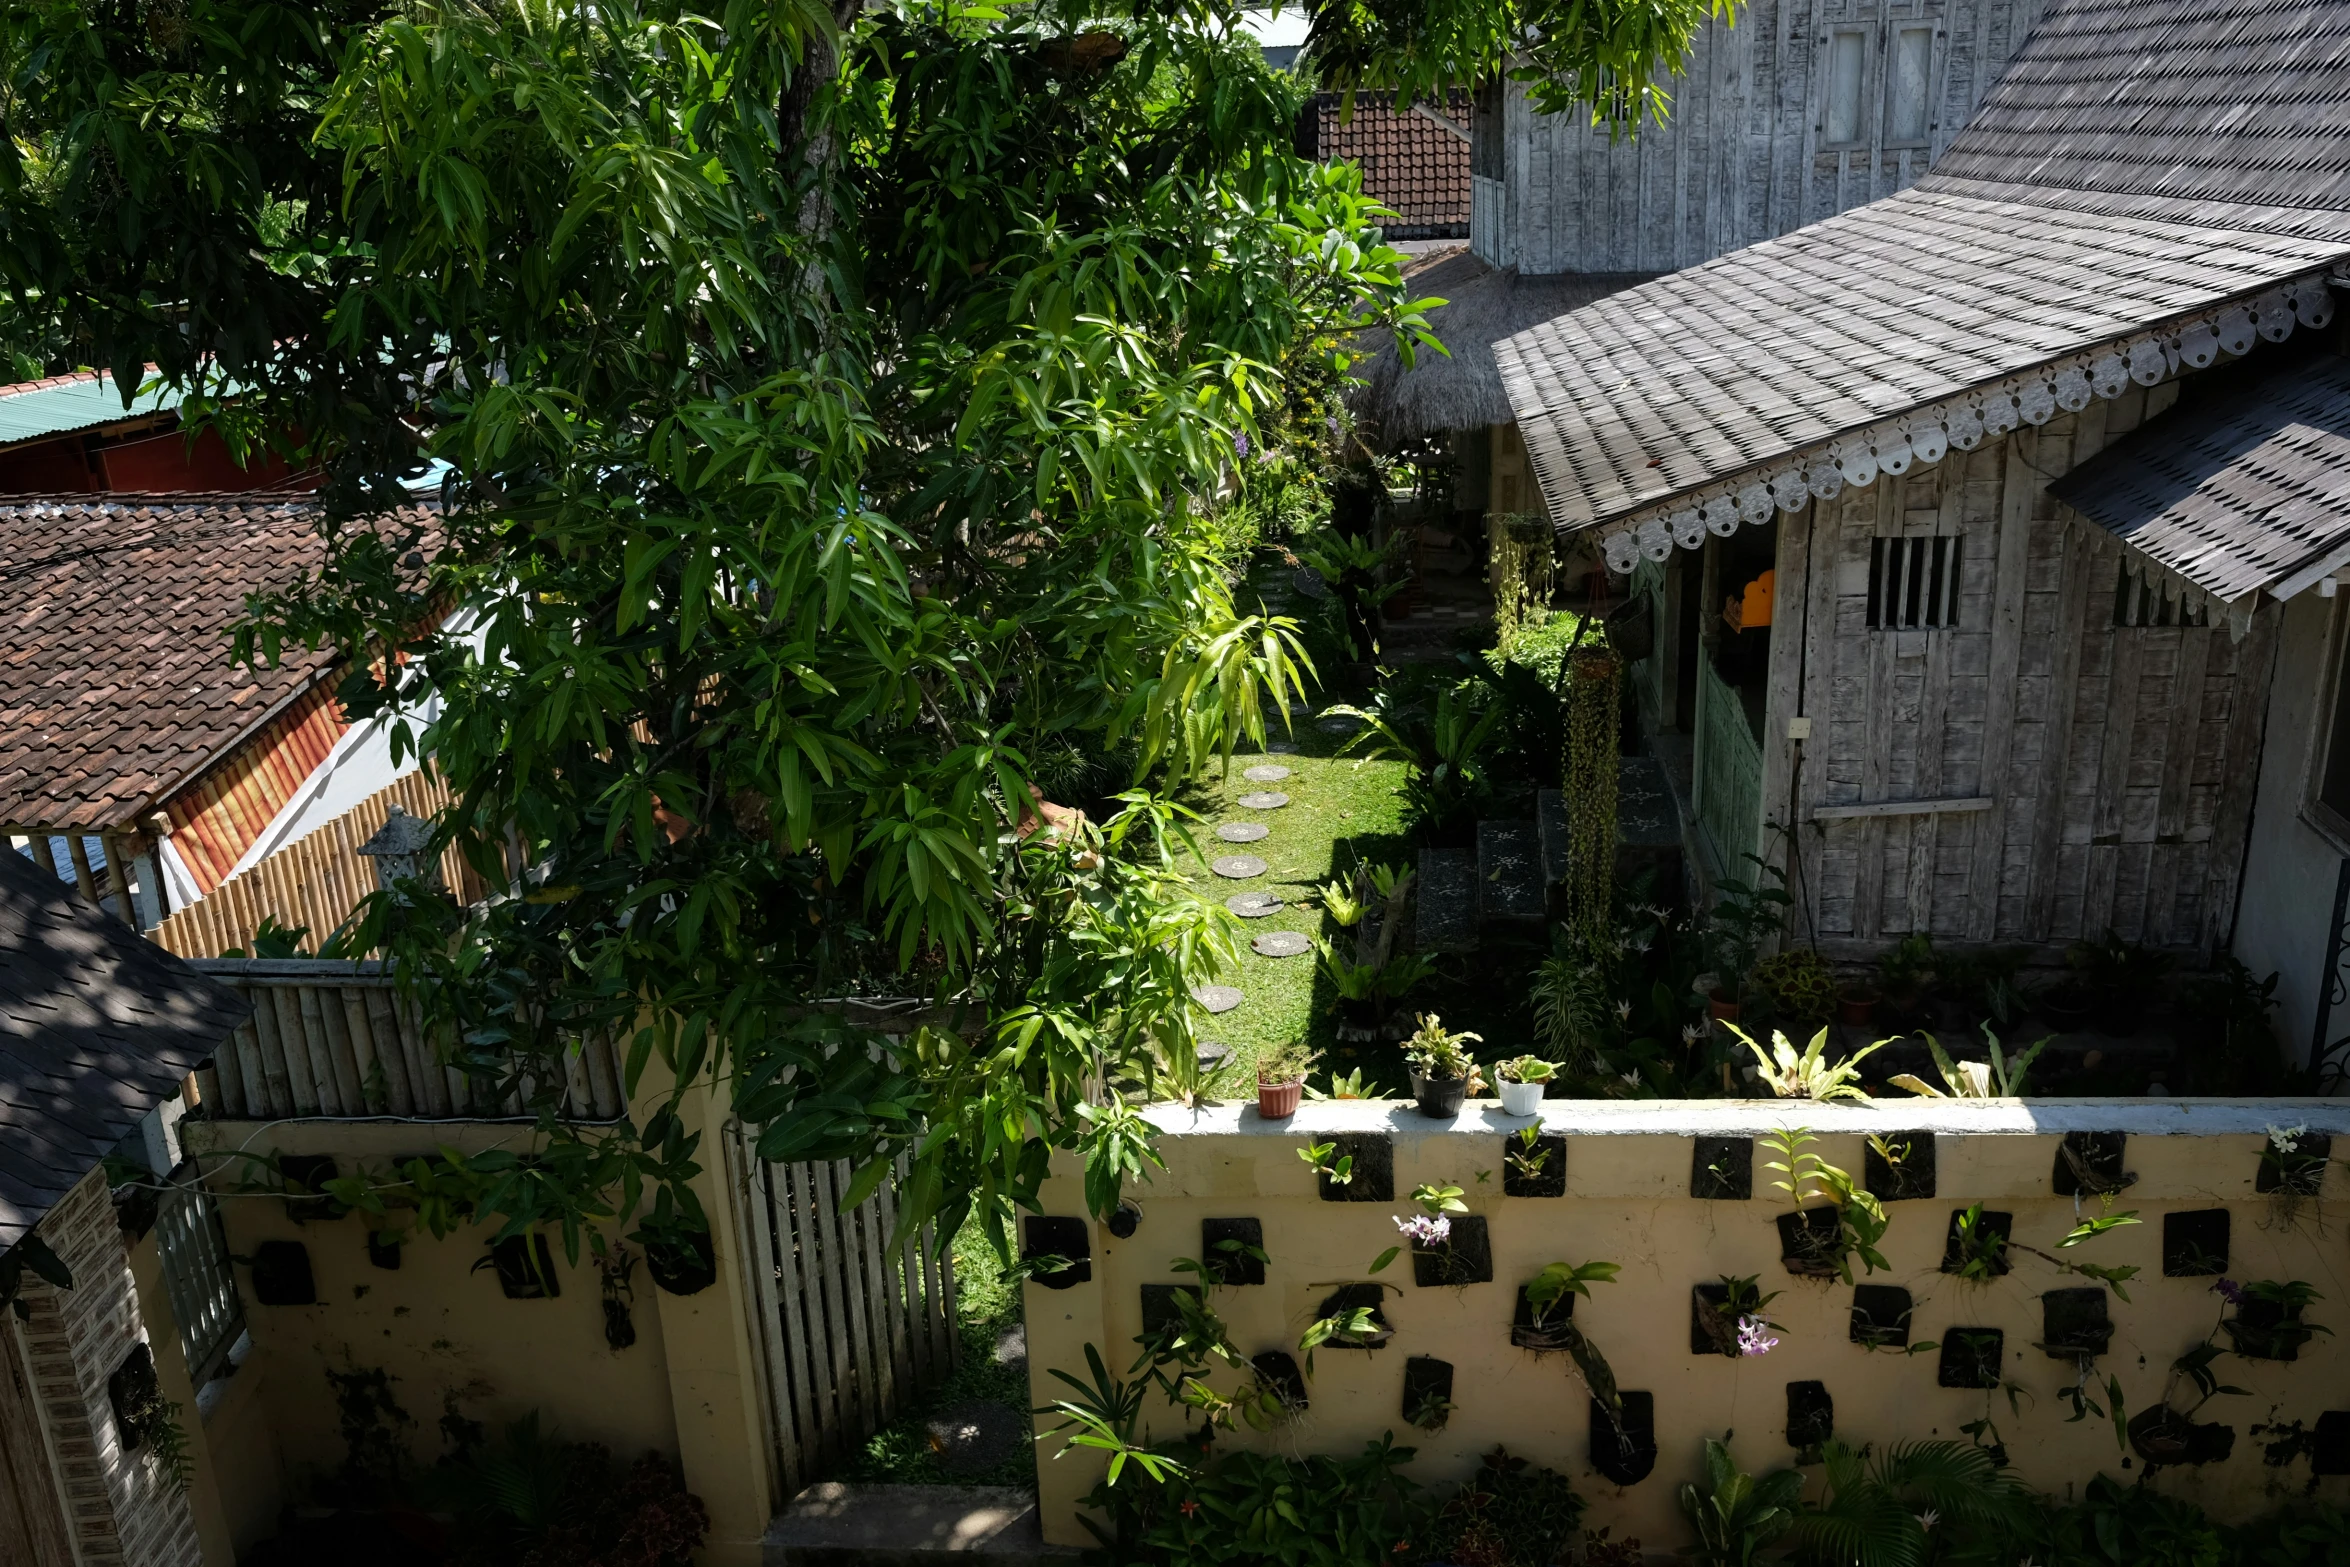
[1729, 773]
[850, 1329]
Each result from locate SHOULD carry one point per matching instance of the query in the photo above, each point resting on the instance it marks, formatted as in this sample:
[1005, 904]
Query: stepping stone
[975, 1436]
[1281, 748]
[1012, 1348]
[1243, 832]
[1550, 821]
[1339, 724]
[1447, 899]
[1281, 944]
[1310, 583]
[1264, 800]
[1237, 867]
[1267, 772]
[1253, 905]
[832, 1522]
[1212, 1054]
[1509, 873]
[1217, 998]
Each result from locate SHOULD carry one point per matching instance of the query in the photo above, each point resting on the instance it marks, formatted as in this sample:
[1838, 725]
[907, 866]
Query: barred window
[1913, 583]
[2138, 603]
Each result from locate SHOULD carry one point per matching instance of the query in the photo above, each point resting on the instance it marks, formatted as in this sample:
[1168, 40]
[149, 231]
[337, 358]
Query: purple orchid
[2230, 1291]
[1426, 1230]
[1754, 1337]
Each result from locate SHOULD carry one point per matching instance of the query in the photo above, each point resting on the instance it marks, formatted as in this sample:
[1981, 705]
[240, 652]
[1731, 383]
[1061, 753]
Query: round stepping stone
[975, 1436]
[1237, 867]
[1341, 725]
[1268, 772]
[1217, 998]
[1212, 1054]
[1281, 944]
[1253, 905]
[1264, 800]
[1281, 748]
[1243, 832]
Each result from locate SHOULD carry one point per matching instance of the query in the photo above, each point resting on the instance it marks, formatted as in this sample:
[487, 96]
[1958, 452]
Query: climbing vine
[1594, 683]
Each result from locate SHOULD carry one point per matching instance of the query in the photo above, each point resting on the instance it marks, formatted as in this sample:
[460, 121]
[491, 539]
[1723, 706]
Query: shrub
[1259, 1507]
[1508, 1514]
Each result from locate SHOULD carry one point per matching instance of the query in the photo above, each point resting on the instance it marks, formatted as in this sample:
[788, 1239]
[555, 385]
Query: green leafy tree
[826, 404]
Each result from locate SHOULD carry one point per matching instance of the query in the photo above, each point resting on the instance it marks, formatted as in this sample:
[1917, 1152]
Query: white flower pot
[1522, 1098]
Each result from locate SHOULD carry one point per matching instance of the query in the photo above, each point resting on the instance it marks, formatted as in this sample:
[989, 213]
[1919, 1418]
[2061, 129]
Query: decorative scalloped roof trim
[1925, 435]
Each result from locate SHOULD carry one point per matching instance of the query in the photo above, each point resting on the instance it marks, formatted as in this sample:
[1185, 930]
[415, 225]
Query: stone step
[836, 1525]
[1509, 874]
[1447, 899]
[1648, 824]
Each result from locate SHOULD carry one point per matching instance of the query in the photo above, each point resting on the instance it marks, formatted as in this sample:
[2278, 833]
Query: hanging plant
[1523, 571]
[1594, 681]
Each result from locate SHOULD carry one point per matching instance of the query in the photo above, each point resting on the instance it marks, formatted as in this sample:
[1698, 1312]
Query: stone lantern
[401, 849]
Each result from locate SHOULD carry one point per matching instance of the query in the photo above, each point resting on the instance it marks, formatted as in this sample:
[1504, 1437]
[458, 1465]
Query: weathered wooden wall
[2036, 774]
[1743, 157]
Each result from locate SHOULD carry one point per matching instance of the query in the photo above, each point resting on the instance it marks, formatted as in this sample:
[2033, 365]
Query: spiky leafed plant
[1736, 1515]
[1908, 1505]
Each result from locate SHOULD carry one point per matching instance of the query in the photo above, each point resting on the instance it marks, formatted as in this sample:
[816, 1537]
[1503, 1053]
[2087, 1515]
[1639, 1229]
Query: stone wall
[1629, 1170]
[120, 1507]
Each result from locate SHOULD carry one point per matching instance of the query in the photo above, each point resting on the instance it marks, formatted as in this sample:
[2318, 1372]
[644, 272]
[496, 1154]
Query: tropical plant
[1589, 770]
[1744, 915]
[2114, 1525]
[1860, 1219]
[1561, 1280]
[1508, 1514]
[1893, 1508]
[1376, 981]
[1437, 743]
[1807, 1075]
[1441, 1054]
[1736, 1515]
[1528, 1158]
[1998, 1078]
[1233, 1506]
[1736, 1323]
[1526, 1069]
[1289, 1063]
[2268, 1323]
[530, 1496]
[1798, 985]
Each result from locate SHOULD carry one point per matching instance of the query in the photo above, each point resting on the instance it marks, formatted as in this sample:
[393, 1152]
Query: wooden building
[1855, 474]
[72, 434]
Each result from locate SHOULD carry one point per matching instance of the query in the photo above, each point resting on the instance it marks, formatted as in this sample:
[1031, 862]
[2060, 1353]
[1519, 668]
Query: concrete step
[1447, 898]
[836, 1525]
[1509, 874]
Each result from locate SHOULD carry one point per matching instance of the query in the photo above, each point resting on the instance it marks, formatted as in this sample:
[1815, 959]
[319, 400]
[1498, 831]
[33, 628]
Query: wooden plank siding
[2095, 777]
[1740, 158]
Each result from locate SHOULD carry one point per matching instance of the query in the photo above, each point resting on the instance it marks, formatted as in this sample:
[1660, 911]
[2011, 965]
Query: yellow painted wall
[1628, 1168]
[448, 1338]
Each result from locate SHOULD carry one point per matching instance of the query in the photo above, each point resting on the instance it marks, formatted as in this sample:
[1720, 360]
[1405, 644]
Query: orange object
[1751, 609]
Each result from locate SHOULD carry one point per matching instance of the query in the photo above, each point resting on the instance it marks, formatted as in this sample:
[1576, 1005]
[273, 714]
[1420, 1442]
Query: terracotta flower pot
[1856, 1008]
[1722, 1011]
[1278, 1101]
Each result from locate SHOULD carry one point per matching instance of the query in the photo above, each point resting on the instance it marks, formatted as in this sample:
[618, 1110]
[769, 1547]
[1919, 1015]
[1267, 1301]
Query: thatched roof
[1482, 304]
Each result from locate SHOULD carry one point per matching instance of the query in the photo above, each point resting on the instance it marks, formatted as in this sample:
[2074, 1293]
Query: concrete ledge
[837, 1525]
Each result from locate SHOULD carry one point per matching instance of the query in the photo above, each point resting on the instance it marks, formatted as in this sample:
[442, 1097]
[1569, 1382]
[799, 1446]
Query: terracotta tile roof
[1410, 162]
[115, 683]
[2142, 161]
[2246, 494]
[97, 1026]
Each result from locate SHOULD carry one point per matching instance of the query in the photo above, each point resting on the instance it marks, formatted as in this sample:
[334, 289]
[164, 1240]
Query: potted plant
[1856, 1005]
[1281, 1080]
[1444, 1074]
[1903, 977]
[1523, 1081]
[1798, 986]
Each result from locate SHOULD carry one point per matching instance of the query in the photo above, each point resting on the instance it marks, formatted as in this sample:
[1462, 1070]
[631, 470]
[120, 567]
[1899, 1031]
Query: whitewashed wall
[1746, 154]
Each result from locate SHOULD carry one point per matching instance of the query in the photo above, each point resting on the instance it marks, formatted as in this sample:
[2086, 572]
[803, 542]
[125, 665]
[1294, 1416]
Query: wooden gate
[1729, 773]
[850, 1330]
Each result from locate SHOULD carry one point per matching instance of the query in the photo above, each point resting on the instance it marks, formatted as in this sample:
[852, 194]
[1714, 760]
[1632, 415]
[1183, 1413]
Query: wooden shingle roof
[115, 682]
[2193, 204]
[2245, 495]
[97, 1026]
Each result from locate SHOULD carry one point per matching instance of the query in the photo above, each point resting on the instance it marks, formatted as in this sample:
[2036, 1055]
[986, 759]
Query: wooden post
[79, 853]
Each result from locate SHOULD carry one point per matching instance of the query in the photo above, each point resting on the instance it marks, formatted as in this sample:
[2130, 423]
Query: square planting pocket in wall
[1277, 1370]
[1811, 1414]
[1971, 1357]
[1344, 1301]
[2329, 1445]
[1905, 1177]
[2090, 1164]
[1623, 1445]
[1427, 1392]
[134, 1393]
[1880, 1315]
[1465, 1257]
[1370, 1169]
[1546, 1329]
[383, 1248]
[2074, 1323]
[1159, 1310]
[1061, 1247]
[2195, 1243]
[306, 1175]
[2299, 1173]
[1976, 1244]
[281, 1274]
[1537, 1169]
[1712, 1330]
[525, 1268]
[1233, 1249]
[1722, 1169]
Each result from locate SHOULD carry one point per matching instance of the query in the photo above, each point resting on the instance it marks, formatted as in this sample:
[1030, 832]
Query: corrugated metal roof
[2236, 496]
[63, 404]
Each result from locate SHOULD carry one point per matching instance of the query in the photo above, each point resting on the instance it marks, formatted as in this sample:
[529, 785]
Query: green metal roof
[59, 407]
